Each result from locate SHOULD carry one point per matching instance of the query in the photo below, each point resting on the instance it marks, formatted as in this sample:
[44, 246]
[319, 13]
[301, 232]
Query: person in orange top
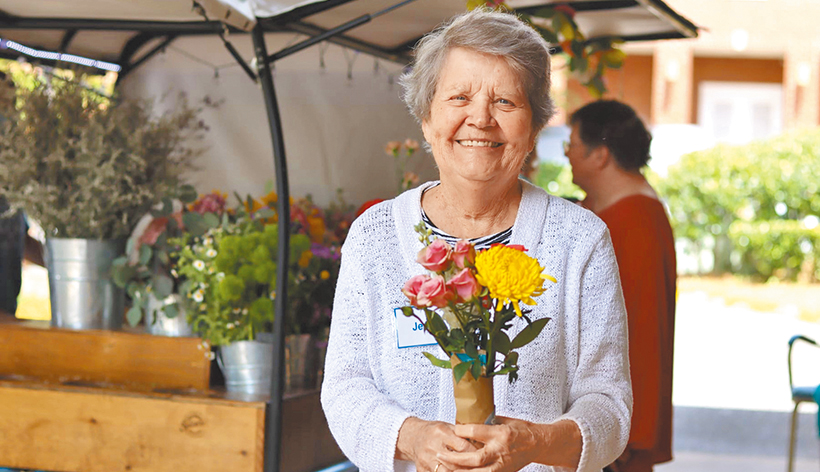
[608, 147]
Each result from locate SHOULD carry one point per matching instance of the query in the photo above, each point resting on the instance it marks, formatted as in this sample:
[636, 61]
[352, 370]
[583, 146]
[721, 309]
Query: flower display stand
[99, 401]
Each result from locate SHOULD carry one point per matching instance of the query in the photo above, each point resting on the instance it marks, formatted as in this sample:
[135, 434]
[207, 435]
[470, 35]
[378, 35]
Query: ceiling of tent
[120, 31]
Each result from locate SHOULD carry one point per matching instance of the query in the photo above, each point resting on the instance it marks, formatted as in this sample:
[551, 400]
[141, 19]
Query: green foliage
[763, 183]
[777, 248]
[223, 306]
[146, 271]
[587, 60]
[557, 180]
[86, 167]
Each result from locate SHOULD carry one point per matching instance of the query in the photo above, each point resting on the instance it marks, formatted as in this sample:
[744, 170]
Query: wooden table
[105, 401]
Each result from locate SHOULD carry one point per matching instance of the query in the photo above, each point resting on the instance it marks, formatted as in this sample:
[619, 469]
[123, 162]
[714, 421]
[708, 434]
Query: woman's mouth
[478, 143]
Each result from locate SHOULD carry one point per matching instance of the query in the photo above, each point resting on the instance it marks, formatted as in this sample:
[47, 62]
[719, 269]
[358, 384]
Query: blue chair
[800, 394]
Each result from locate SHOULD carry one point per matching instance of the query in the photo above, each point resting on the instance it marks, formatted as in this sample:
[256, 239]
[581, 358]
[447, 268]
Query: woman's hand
[511, 444]
[423, 441]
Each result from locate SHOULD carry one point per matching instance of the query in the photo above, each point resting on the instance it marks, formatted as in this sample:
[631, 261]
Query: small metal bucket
[300, 362]
[83, 295]
[159, 324]
[247, 366]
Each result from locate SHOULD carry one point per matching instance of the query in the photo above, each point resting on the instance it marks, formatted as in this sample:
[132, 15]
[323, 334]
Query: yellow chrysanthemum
[510, 275]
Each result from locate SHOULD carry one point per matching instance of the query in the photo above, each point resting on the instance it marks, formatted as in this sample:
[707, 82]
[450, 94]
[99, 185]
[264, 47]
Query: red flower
[367, 205]
[436, 257]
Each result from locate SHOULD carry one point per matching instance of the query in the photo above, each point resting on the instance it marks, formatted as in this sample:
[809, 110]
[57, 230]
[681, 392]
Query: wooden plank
[95, 430]
[136, 360]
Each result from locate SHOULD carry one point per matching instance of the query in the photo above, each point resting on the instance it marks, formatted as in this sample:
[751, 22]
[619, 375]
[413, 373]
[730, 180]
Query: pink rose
[464, 285]
[411, 288]
[436, 256]
[464, 254]
[434, 291]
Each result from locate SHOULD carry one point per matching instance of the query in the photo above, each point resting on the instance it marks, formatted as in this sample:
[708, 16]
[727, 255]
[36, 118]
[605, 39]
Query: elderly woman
[480, 88]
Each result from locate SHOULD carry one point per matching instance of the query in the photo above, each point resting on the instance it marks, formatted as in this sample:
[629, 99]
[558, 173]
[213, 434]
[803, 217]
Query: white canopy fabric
[338, 107]
[112, 23]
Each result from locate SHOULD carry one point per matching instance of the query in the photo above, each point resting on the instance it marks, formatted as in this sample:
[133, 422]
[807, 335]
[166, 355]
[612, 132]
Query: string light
[56, 56]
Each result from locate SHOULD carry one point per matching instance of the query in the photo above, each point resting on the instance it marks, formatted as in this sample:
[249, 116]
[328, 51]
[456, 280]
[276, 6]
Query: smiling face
[480, 123]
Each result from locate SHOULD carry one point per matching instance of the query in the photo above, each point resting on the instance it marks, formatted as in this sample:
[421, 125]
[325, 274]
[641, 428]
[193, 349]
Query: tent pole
[273, 418]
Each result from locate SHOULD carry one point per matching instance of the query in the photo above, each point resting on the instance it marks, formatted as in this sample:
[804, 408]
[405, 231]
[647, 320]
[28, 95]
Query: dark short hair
[615, 125]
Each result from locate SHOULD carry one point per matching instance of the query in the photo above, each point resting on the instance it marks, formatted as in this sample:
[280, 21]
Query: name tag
[411, 333]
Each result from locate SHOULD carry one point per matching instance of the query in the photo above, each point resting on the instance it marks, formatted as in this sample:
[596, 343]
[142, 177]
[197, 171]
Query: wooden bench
[104, 401]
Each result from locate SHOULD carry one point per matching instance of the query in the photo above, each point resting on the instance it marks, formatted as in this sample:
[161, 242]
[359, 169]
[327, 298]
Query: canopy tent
[121, 31]
[130, 35]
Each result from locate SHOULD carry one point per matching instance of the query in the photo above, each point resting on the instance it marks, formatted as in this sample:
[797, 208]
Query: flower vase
[475, 403]
[247, 366]
[83, 293]
[160, 324]
[300, 362]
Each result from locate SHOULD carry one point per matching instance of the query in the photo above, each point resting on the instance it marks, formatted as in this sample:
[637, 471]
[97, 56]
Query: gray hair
[486, 32]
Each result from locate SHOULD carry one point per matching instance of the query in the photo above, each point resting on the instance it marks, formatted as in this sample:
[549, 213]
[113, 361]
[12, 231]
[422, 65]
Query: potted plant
[229, 285]
[86, 168]
[147, 270]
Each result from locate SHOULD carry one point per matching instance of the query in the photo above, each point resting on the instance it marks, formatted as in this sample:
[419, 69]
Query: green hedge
[708, 192]
[778, 248]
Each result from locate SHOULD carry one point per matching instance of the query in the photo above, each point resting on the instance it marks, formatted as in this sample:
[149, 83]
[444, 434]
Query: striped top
[481, 243]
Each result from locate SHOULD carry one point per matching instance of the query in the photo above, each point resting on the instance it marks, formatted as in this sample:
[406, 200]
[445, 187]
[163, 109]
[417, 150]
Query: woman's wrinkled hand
[511, 444]
[423, 441]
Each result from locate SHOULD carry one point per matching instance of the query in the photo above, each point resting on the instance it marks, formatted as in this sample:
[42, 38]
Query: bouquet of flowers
[147, 270]
[469, 301]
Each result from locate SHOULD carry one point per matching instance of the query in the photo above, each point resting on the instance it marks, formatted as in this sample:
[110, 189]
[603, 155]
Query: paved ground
[731, 390]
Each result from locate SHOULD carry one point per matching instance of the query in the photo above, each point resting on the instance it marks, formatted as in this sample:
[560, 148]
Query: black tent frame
[292, 21]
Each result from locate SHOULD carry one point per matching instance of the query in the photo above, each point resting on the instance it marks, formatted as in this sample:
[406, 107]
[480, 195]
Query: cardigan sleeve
[600, 393]
[364, 421]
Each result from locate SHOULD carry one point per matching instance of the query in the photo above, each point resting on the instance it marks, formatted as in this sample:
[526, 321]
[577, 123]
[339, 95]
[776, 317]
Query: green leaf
[501, 343]
[529, 333]
[129, 245]
[187, 194]
[134, 315]
[434, 323]
[162, 256]
[194, 223]
[210, 220]
[162, 285]
[264, 213]
[145, 254]
[511, 359]
[471, 350]
[459, 371]
[167, 207]
[122, 274]
[437, 362]
[475, 369]
[407, 310]
[171, 311]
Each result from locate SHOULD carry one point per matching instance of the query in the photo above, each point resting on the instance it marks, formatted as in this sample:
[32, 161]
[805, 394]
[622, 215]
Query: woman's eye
[504, 101]
[460, 97]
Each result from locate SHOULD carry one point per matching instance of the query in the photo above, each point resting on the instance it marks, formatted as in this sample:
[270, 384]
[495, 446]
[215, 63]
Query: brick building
[753, 72]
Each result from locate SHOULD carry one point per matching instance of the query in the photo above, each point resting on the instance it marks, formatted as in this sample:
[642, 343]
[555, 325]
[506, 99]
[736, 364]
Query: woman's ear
[600, 157]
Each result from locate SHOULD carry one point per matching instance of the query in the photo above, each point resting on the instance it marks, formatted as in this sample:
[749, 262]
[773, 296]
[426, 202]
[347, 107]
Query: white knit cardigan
[576, 369]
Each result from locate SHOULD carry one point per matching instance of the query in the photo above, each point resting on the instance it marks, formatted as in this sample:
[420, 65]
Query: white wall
[335, 128]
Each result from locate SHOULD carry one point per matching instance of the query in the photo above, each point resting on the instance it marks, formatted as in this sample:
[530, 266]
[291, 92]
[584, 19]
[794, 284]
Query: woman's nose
[480, 114]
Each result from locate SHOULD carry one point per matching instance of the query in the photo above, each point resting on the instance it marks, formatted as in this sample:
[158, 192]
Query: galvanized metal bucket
[247, 366]
[300, 362]
[159, 324]
[83, 296]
